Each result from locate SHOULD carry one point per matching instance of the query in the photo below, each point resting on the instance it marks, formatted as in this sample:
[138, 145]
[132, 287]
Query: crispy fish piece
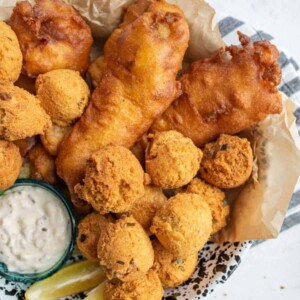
[226, 93]
[142, 60]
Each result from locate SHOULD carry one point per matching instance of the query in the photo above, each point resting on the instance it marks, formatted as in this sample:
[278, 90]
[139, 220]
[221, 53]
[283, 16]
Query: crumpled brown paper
[258, 208]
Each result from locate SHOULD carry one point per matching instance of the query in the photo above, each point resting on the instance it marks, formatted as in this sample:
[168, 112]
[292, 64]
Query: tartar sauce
[35, 229]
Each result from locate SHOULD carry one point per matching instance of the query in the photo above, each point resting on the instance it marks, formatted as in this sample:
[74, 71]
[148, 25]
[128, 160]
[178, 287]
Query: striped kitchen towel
[290, 85]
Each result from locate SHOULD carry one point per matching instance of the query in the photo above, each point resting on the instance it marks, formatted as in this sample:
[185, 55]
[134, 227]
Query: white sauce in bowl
[35, 229]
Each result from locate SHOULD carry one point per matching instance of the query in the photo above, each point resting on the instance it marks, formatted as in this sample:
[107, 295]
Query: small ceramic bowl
[31, 277]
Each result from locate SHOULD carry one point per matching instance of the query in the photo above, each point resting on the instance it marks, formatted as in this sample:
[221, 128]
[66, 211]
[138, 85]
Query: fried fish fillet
[52, 35]
[142, 58]
[227, 93]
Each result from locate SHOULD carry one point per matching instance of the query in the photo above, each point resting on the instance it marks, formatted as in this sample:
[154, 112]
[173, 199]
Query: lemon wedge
[97, 293]
[71, 279]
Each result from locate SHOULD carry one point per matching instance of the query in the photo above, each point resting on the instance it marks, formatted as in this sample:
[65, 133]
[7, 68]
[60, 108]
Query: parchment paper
[258, 208]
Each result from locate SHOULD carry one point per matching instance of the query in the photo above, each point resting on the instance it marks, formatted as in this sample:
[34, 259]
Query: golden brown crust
[10, 54]
[184, 225]
[96, 70]
[125, 250]
[25, 145]
[63, 94]
[42, 165]
[138, 84]
[146, 287]
[52, 35]
[172, 160]
[114, 180]
[222, 95]
[145, 208]
[21, 115]
[89, 230]
[10, 164]
[215, 199]
[173, 270]
[228, 162]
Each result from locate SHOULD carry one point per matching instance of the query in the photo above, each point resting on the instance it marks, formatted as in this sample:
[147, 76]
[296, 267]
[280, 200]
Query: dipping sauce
[35, 229]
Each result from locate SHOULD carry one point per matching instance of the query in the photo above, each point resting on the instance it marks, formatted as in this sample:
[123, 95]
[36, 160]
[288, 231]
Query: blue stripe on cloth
[228, 25]
[296, 66]
[260, 35]
[295, 201]
[291, 87]
[283, 60]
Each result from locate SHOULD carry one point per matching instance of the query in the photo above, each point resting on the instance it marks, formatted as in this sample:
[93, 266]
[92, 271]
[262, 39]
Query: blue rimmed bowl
[31, 277]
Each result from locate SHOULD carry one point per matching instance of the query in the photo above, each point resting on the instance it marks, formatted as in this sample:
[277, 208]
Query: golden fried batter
[63, 94]
[226, 95]
[10, 54]
[114, 180]
[138, 84]
[228, 162]
[42, 165]
[145, 208]
[53, 137]
[173, 270]
[25, 145]
[10, 164]
[215, 199]
[184, 225]
[21, 115]
[89, 230]
[52, 35]
[96, 70]
[146, 287]
[172, 160]
[125, 250]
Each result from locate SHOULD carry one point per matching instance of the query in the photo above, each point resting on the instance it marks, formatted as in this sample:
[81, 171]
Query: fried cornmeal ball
[145, 208]
[215, 199]
[89, 230]
[10, 54]
[10, 164]
[173, 270]
[228, 162]
[63, 94]
[183, 225]
[114, 180]
[125, 250]
[53, 137]
[172, 160]
[146, 287]
[21, 114]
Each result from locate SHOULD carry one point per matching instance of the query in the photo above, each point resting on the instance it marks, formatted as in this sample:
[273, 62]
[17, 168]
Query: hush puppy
[21, 115]
[173, 270]
[183, 225]
[125, 250]
[63, 94]
[10, 164]
[172, 160]
[228, 162]
[114, 180]
[146, 287]
[144, 209]
[89, 230]
[215, 199]
[10, 54]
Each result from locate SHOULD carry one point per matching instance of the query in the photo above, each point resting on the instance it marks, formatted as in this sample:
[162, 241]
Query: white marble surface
[271, 271]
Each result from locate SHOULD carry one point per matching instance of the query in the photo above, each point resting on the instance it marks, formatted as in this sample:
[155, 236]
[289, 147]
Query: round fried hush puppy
[215, 199]
[146, 287]
[63, 94]
[228, 162]
[42, 165]
[125, 250]
[172, 160]
[114, 180]
[183, 225]
[52, 35]
[21, 115]
[173, 270]
[10, 54]
[10, 164]
[89, 230]
[145, 208]
[53, 137]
